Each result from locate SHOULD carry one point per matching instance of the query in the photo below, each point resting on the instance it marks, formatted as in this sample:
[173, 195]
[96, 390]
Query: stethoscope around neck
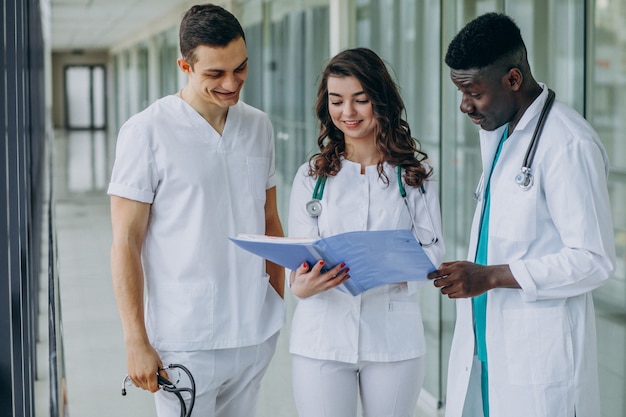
[525, 179]
[314, 206]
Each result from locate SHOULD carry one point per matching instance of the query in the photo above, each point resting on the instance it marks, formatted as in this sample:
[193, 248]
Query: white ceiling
[101, 24]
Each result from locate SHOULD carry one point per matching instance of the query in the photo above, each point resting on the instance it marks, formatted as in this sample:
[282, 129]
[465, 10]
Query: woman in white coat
[371, 344]
[524, 342]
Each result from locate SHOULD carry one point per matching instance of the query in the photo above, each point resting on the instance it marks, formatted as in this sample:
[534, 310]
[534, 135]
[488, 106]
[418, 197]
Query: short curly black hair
[484, 41]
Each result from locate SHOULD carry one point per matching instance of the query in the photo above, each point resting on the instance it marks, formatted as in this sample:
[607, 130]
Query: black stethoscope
[168, 386]
[525, 178]
[314, 206]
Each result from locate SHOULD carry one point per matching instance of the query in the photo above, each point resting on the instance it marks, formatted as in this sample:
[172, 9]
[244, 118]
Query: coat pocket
[538, 345]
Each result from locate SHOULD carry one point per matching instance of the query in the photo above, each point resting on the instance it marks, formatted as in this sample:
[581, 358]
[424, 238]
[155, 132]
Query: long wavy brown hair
[393, 135]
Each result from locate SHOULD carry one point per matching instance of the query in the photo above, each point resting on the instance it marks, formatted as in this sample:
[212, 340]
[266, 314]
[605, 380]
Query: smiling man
[541, 240]
[190, 171]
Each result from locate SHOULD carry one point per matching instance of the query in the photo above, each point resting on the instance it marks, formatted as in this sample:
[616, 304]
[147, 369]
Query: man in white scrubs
[190, 171]
[524, 342]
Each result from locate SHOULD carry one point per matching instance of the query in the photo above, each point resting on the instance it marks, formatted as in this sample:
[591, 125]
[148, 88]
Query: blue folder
[374, 257]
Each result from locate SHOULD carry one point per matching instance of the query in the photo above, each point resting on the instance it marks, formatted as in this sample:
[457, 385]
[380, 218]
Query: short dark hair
[485, 41]
[210, 25]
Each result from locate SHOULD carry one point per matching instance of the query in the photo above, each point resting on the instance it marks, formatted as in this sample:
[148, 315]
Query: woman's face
[351, 109]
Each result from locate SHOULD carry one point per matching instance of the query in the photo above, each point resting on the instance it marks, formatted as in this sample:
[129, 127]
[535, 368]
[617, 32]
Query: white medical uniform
[383, 324]
[202, 291]
[557, 239]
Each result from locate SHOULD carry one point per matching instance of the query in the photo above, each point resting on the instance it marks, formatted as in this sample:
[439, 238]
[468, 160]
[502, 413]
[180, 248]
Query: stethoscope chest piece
[524, 179]
[314, 207]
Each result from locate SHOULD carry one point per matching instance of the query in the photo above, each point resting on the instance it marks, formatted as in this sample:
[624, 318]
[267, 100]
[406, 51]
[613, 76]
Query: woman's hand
[306, 281]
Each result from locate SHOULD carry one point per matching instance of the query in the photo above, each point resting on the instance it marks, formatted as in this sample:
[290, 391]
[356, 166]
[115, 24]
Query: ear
[513, 79]
[184, 65]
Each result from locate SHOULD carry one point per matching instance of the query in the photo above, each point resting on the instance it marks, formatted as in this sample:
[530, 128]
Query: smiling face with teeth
[351, 109]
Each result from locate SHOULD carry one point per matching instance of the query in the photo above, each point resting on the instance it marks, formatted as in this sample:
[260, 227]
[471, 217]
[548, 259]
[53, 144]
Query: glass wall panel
[406, 34]
[85, 97]
[78, 90]
[606, 107]
[143, 76]
[606, 110]
[294, 44]
[99, 97]
[168, 54]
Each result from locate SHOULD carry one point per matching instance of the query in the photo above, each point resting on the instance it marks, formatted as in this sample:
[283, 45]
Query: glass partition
[288, 46]
[85, 97]
[406, 34]
[606, 107]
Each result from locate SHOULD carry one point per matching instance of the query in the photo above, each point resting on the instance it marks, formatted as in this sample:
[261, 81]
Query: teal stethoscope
[314, 206]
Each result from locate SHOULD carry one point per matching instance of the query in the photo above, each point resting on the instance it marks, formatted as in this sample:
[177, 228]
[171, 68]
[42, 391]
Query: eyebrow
[358, 93]
[245, 61]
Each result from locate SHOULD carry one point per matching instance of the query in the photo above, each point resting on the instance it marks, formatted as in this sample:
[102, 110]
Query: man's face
[485, 98]
[219, 73]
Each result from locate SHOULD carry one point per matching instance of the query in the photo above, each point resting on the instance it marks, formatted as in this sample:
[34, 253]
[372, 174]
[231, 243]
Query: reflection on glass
[606, 110]
[85, 96]
[99, 111]
[78, 87]
[86, 161]
[285, 87]
[406, 35]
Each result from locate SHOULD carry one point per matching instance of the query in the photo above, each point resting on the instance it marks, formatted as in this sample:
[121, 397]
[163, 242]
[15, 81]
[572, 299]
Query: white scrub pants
[227, 380]
[330, 388]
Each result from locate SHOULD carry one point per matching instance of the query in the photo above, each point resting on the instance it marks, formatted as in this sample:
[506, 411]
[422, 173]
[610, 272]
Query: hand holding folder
[374, 257]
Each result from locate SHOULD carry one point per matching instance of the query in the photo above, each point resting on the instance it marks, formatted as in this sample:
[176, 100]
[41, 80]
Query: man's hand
[464, 279]
[143, 363]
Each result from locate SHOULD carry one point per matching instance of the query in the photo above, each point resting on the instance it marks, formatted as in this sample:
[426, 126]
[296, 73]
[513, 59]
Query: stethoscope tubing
[525, 177]
[168, 386]
[314, 206]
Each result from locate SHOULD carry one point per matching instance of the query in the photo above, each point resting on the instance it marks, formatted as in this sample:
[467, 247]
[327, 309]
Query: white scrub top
[383, 324]
[557, 239]
[202, 291]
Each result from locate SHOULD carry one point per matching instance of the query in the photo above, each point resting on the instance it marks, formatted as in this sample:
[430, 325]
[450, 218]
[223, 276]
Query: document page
[374, 257]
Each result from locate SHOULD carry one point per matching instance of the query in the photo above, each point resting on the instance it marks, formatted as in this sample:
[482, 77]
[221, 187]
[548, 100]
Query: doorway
[85, 97]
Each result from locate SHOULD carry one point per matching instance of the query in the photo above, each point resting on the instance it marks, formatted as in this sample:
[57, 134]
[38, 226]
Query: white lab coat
[383, 324]
[557, 239]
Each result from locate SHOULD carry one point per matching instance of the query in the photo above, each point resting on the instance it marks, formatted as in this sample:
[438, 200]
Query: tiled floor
[92, 336]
